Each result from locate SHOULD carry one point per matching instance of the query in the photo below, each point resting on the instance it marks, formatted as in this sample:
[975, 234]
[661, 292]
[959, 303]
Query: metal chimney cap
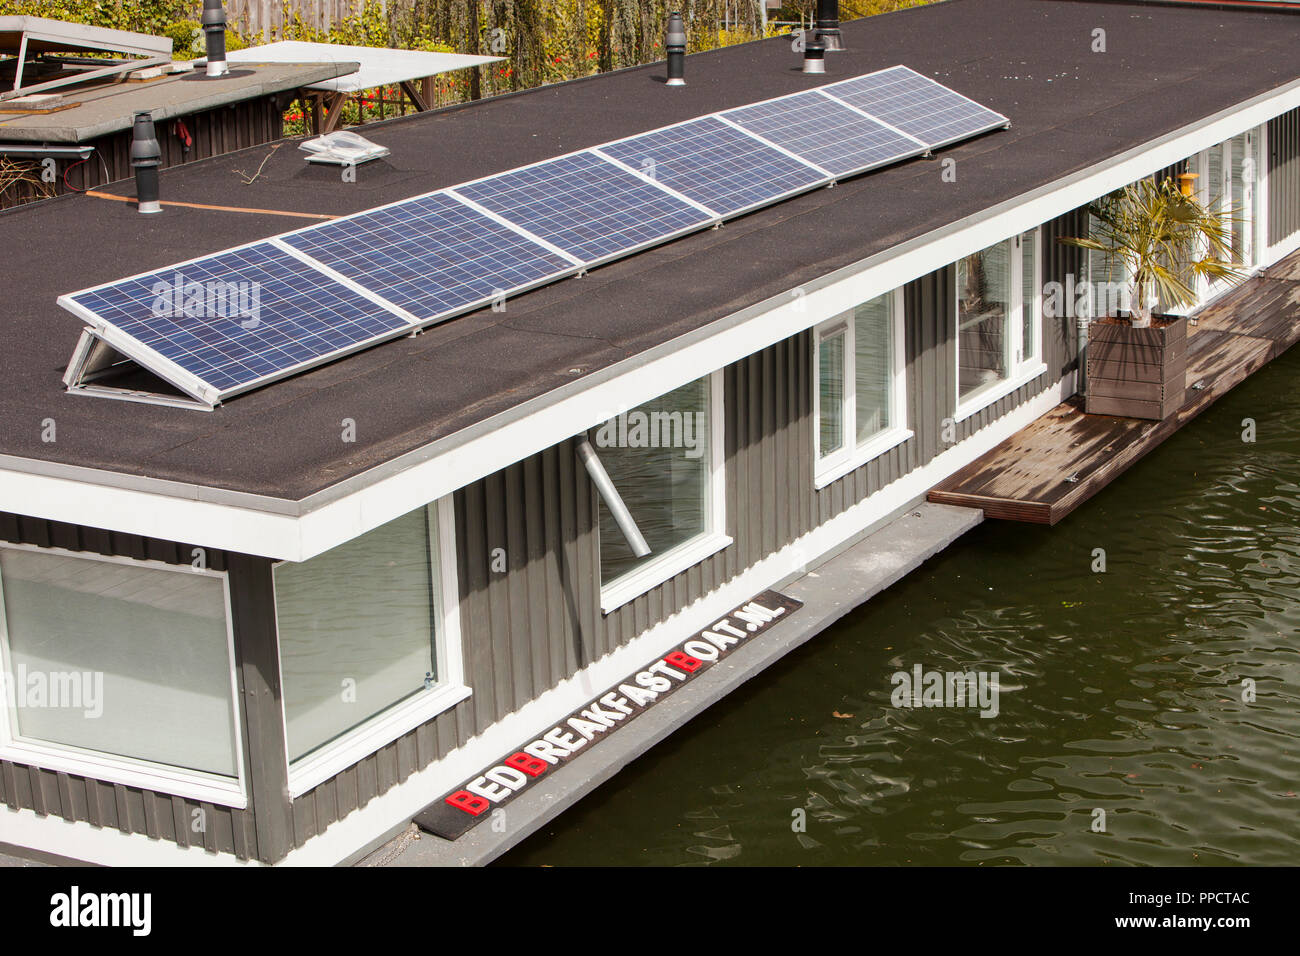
[676, 36]
[145, 151]
[214, 13]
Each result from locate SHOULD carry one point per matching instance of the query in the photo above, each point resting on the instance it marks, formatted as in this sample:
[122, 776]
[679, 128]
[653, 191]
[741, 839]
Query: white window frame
[1022, 368]
[383, 728]
[1256, 194]
[852, 456]
[114, 768]
[686, 555]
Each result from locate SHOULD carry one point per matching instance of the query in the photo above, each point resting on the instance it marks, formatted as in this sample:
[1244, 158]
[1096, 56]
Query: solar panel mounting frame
[207, 396]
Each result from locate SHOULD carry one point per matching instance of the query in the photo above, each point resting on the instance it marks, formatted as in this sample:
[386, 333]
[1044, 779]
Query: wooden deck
[1045, 471]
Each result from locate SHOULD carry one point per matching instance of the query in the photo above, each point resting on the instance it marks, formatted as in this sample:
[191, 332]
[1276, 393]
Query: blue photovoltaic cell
[715, 164]
[585, 205]
[430, 255]
[836, 138]
[917, 105]
[278, 314]
[435, 256]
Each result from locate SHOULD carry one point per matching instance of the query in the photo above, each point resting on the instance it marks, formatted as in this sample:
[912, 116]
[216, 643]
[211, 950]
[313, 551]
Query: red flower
[591, 55]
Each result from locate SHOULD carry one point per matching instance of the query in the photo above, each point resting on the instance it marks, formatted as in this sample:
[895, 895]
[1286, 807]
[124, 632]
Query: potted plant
[1137, 361]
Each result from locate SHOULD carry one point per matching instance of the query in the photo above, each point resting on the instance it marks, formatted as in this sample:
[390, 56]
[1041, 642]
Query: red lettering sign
[684, 661]
[464, 800]
[528, 764]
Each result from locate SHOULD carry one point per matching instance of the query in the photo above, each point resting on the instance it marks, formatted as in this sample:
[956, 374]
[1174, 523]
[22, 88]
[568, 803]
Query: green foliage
[1166, 239]
[141, 16]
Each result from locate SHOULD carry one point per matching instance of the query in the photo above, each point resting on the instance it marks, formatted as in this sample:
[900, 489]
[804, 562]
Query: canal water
[1122, 736]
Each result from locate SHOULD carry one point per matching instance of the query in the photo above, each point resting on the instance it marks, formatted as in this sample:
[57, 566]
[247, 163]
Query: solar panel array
[430, 254]
[329, 289]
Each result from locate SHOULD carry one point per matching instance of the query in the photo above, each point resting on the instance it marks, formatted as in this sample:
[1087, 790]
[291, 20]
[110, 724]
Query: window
[1229, 176]
[121, 670]
[999, 338]
[1108, 276]
[860, 392]
[369, 644]
[664, 458]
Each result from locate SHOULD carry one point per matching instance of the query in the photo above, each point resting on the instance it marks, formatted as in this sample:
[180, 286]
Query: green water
[1120, 691]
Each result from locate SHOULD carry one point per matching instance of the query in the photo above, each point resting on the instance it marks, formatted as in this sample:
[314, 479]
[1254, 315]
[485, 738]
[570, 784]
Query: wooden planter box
[1137, 373]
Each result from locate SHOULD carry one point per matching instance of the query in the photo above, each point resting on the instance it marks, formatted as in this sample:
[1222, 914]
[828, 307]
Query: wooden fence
[266, 17]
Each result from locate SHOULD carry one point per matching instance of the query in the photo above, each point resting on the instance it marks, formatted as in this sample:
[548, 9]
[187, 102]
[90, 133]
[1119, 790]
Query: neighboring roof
[111, 107]
[1070, 109]
[379, 66]
[57, 36]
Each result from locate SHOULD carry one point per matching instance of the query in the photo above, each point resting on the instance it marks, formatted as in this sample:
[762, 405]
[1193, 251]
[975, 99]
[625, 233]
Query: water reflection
[1121, 692]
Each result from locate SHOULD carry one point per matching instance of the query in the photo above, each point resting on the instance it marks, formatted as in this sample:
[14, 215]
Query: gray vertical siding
[1283, 177]
[1060, 263]
[539, 621]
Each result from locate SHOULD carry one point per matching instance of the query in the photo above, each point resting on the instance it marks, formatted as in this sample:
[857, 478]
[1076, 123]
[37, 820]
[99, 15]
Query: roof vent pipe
[675, 43]
[814, 55]
[828, 24]
[214, 28]
[146, 158]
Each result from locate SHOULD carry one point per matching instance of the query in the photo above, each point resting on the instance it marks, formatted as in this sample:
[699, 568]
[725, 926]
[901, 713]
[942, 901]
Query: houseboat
[291, 557]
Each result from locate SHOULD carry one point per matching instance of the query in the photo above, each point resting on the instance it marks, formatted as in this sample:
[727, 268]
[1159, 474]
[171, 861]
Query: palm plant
[1167, 241]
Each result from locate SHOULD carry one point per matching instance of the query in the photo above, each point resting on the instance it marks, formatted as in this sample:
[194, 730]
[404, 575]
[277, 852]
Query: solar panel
[431, 255]
[586, 206]
[715, 164]
[237, 318]
[326, 290]
[917, 105]
[816, 128]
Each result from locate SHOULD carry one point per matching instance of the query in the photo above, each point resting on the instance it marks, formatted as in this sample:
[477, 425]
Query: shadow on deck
[1045, 471]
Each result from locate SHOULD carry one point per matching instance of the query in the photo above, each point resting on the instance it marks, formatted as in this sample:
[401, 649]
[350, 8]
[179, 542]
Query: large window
[860, 390]
[120, 670]
[664, 459]
[368, 645]
[999, 333]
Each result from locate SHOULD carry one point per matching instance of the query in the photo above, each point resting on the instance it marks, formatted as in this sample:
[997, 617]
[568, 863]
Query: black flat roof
[1032, 60]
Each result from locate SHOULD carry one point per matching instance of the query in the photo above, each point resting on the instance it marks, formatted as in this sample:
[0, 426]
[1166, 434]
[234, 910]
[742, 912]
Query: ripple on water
[1125, 734]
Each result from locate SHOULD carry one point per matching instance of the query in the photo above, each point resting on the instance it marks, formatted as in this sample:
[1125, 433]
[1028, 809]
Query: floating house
[429, 488]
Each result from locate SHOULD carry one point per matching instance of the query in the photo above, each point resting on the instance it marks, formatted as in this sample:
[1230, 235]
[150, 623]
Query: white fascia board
[296, 531]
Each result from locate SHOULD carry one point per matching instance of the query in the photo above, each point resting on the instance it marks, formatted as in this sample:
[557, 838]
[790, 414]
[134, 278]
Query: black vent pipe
[675, 44]
[814, 54]
[214, 29]
[146, 158]
[828, 24]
